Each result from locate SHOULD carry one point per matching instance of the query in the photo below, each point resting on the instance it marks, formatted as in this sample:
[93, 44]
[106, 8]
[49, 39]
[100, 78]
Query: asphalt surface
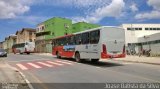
[68, 74]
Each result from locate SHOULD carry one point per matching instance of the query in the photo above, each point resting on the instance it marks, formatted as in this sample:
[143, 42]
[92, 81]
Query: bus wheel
[77, 57]
[28, 53]
[94, 60]
[21, 52]
[58, 55]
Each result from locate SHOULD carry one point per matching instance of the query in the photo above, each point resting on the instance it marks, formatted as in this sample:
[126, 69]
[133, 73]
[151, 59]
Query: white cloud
[12, 8]
[154, 14]
[75, 3]
[154, 3]
[114, 9]
[149, 15]
[133, 7]
[32, 20]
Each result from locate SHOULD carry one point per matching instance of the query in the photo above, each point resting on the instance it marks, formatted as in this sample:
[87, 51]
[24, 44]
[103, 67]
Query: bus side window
[78, 39]
[85, 38]
[94, 37]
[72, 40]
[54, 43]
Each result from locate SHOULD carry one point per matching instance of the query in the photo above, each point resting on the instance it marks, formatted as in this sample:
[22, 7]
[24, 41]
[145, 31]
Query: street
[46, 72]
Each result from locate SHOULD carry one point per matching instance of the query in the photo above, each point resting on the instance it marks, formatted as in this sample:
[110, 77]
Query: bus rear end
[113, 42]
[29, 47]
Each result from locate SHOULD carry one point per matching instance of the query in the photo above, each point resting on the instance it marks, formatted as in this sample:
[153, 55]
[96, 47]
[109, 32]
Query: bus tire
[28, 53]
[21, 52]
[58, 55]
[94, 60]
[77, 57]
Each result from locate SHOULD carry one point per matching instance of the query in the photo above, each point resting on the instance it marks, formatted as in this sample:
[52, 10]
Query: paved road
[52, 73]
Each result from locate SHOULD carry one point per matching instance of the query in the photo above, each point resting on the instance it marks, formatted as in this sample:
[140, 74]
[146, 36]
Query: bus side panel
[83, 51]
[62, 52]
[94, 51]
[68, 51]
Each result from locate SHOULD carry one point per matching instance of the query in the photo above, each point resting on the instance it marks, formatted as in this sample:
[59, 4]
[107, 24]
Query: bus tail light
[104, 48]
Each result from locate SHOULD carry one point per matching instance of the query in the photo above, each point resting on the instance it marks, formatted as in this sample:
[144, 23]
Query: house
[26, 35]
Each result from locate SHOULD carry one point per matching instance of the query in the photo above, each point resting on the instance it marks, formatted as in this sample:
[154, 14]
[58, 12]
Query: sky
[18, 14]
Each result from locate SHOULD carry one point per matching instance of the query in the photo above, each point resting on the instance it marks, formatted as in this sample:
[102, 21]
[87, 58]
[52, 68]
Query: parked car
[3, 53]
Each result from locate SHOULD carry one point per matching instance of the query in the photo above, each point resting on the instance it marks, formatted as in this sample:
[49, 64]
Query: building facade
[1, 45]
[151, 42]
[53, 27]
[11, 41]
[26, 35]
[81, 26]
[50, 29]
[135, 32]
[5, 44]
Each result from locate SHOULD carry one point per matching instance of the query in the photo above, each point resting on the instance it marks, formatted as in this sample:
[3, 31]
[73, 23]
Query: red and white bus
[27, 47]
[98, 43]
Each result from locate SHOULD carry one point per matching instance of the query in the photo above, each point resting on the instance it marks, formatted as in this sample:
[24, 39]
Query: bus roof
[99, 28]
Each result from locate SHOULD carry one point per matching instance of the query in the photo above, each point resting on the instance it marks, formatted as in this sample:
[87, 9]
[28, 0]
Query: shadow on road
[97, 64]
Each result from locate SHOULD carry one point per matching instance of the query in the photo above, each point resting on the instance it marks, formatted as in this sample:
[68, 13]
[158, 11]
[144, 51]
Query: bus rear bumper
[104, 56]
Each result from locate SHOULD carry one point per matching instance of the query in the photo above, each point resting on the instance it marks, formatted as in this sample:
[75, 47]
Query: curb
[23, 76]
[139, 62]
[43, 54]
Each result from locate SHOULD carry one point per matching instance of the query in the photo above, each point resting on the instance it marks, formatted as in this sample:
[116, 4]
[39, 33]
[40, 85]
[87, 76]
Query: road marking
[64, 62]
[34, 65]
[45, 64]
[38, 81]
[55, 63]
[29, 60]
[68, 61]
[22, 67]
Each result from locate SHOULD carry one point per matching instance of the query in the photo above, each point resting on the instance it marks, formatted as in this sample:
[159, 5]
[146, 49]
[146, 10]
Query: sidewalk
[142, 59]
[10, 77]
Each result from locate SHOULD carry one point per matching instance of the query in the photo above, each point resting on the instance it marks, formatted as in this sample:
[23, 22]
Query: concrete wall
[132, 36]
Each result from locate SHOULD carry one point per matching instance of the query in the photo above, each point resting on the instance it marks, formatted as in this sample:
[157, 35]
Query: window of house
[30, 33]
[129, 29]
[146, 28]
[140, 28]
[42, 27]
[151, 28]
[30, 40]
[136, 28]
[154, 29]
[158, 28]
[53, 33]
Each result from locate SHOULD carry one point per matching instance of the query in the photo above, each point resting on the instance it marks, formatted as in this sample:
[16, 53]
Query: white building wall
[132, 36]
[155, 49]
